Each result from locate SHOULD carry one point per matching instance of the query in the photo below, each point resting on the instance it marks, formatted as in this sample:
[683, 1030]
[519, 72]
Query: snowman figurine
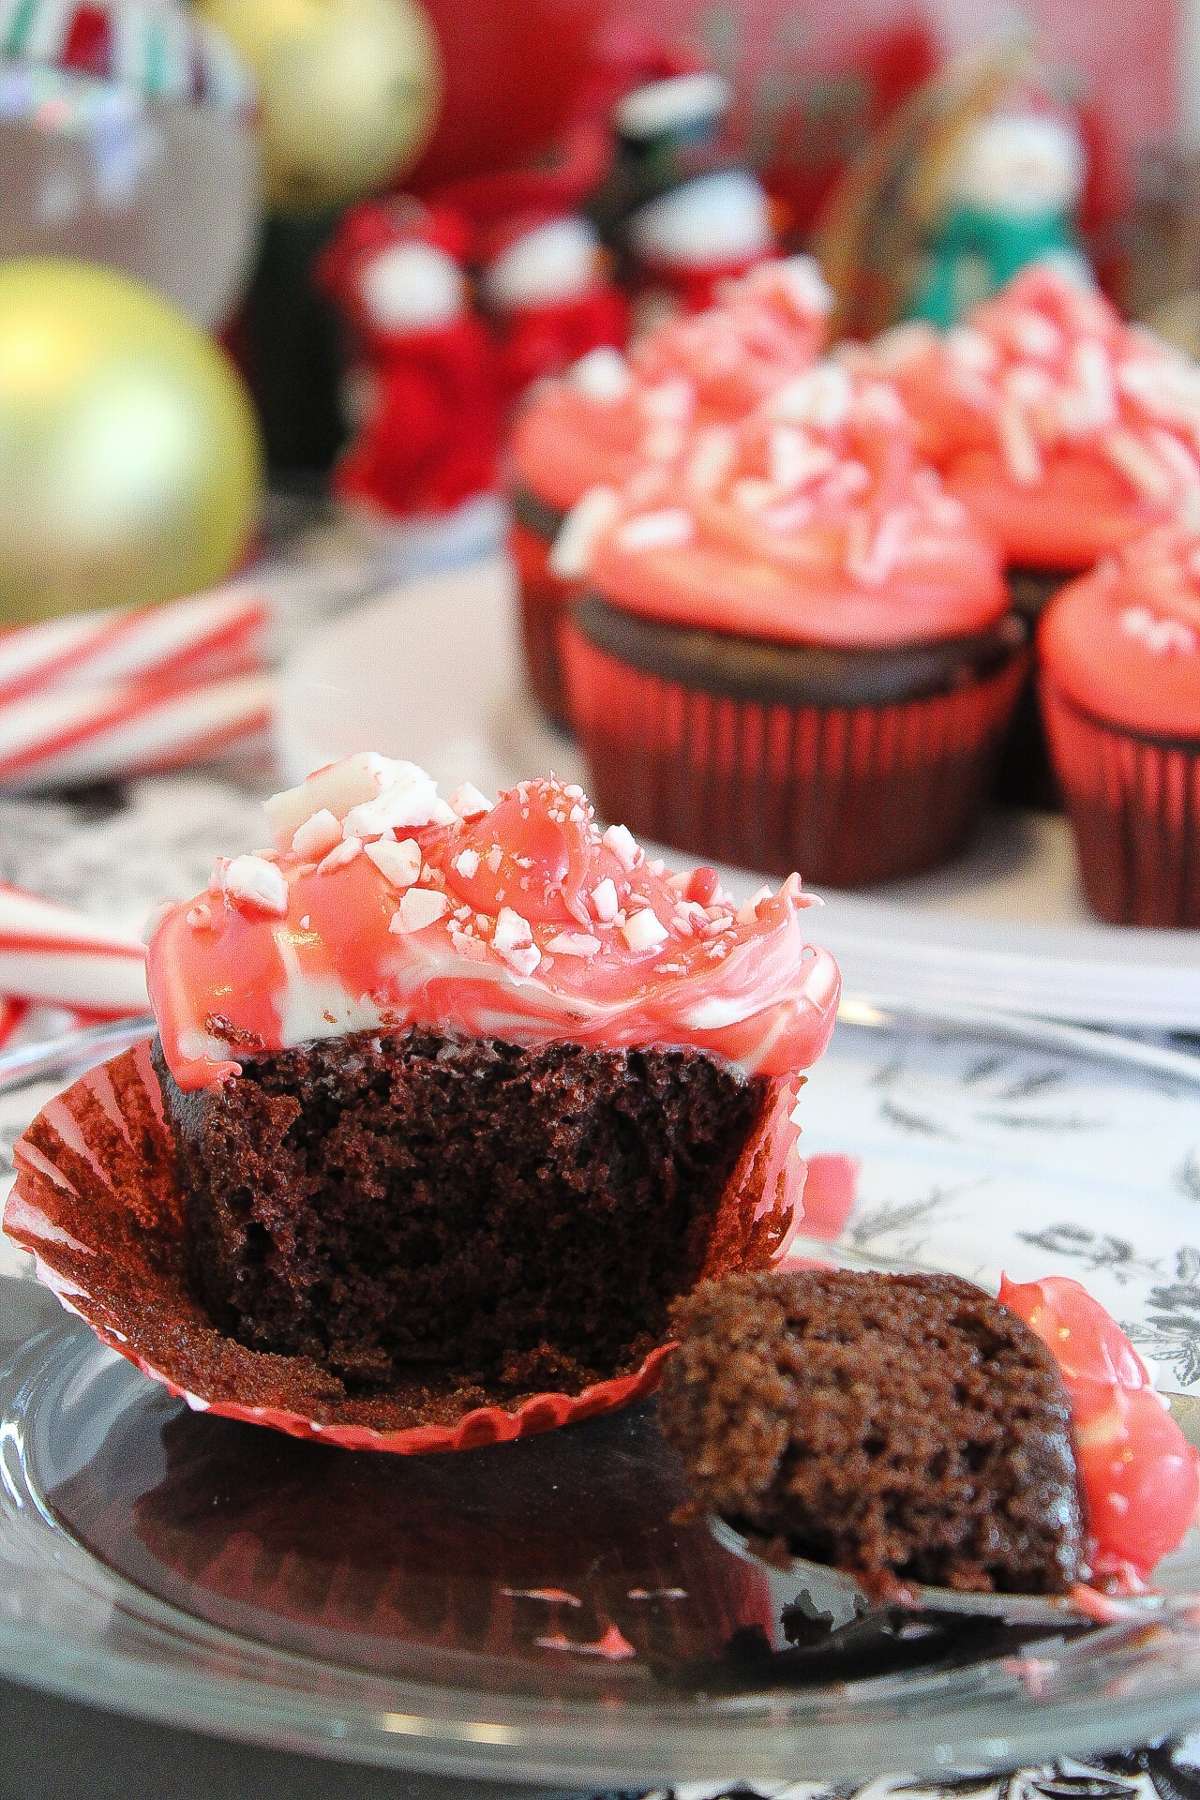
[688, 217]
[551, 301]
[1014, 197]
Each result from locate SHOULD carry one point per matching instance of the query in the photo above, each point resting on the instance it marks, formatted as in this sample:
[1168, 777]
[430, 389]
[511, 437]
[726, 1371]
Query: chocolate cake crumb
[407, 1206]
[902, 1428]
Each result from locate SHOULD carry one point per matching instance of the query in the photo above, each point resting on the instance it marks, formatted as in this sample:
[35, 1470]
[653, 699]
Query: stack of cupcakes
[804, 590]
[796, 646]
[610, 417]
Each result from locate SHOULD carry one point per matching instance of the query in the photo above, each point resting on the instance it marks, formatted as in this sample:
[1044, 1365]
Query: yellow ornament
[348, 89]
[131, 466]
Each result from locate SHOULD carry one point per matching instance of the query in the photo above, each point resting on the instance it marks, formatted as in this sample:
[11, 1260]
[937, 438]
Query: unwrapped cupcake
[610, 415]
[796, 648]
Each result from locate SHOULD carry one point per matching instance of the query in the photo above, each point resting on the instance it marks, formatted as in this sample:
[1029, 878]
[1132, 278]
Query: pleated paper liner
[543, 599]
[849, 796]
[97, 1203]
[1134, 804]
[1024, 771]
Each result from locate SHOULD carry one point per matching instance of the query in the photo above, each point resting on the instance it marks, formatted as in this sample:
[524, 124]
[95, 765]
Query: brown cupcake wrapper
[1134, 804]
[97, 1203]
[850, 796]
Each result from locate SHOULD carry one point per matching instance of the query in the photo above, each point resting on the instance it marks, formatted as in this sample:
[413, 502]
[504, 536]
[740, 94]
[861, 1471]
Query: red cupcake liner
[1134, 804]
[849, 796]
[97, 1204]
[543, 602]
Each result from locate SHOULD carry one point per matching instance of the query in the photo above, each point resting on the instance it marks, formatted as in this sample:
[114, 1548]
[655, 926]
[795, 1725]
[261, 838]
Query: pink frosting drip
[813, 522]
[1064, 429]
[520, 920]
[605, 419]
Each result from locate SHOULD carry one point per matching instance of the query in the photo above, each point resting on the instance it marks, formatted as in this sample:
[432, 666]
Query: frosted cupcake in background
[1120, 682]
[796, 648]
[1064, 430]
[611, 415]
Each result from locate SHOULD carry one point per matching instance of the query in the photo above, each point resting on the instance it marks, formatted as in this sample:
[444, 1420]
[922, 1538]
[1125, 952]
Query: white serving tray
[432, 671]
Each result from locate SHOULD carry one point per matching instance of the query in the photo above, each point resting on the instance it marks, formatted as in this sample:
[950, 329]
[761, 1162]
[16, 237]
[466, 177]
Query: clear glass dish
[533, 1610]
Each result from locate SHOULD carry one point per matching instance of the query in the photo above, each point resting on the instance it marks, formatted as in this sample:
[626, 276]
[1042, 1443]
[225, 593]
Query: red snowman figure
[423, 392]
[546, 286]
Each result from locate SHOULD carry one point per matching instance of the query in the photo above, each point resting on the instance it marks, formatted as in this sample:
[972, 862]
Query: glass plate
[534, 1610]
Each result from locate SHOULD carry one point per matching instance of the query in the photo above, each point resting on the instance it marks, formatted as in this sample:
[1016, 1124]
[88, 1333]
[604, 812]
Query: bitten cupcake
[1120, 681]
[1064, 430]
[798, 651]
[462, 1095]
[609, 415]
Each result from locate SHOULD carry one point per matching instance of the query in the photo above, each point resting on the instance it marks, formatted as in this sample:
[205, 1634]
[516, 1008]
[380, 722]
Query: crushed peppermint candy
[340, 856]
[253, 881]
[398, 863]
[318, 834]
[573, 943]
[468, 803]
[419, 908]
[606, 901]
[1162, 637]
[624, 846]
[644, 930]
[602, 374]
[658, 530]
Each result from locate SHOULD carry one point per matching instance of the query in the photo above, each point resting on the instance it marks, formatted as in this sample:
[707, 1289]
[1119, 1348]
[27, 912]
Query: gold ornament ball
[131, 466]
[348, 91]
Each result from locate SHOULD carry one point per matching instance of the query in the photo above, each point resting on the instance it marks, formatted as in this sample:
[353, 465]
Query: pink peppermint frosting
[1124, 641]
[1065, 430]
[609, 414]
[813, 522]
[381, 905]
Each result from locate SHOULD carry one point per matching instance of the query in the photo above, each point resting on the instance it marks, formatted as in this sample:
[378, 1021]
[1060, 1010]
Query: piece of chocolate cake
[464, 1096]
[904, 1429]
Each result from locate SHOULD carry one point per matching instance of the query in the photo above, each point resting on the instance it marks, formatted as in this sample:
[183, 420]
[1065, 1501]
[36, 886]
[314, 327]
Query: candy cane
[129, 728]
[50, 953]
[213, 635]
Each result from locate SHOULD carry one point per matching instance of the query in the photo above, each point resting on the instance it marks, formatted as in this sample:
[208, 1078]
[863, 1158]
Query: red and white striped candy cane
[130, 728]
[201, 639]
[50, 953]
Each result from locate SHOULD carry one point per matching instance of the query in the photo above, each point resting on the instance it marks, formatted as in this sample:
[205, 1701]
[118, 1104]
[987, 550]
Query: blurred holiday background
[275, 274]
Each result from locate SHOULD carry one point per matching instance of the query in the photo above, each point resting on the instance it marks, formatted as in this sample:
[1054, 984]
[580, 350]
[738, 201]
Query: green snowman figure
[1014, 199]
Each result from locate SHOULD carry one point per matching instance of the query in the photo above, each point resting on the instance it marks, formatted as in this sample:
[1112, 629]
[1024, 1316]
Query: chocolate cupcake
[911, 1429]
[610, 416]
[464, 1095]
[1065, 431]
[798, 652]
[1120, 682]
